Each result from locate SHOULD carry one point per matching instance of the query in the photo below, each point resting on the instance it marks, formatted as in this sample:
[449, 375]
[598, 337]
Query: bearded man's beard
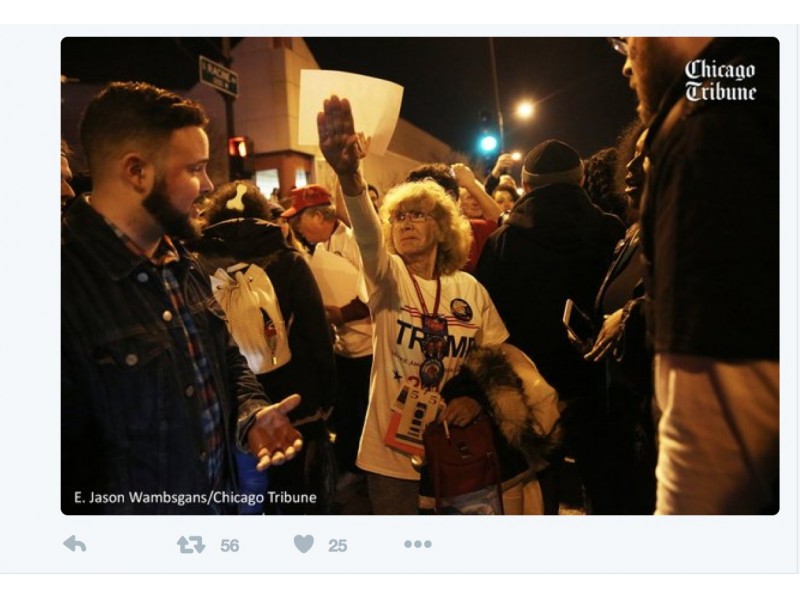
[655, 71]
[174, 223]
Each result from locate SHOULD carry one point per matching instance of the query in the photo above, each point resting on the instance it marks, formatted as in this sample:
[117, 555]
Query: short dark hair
[438, 172]
[125, 111]
[254, 204]
[509, 189]
[601, 185]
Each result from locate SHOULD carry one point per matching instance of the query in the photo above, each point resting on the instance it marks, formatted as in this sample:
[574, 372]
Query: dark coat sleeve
[81, 467]
[246, 391]
[491, 184]
[486, 270]
[311, 372]
[310, 337]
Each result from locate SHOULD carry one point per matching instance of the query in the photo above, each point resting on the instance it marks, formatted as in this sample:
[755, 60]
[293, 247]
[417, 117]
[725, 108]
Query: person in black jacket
[238, 231]
[710, 238]
[556, 245]
[622, 347]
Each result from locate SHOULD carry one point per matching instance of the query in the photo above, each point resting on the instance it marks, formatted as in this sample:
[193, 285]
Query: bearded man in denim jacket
[154, 391]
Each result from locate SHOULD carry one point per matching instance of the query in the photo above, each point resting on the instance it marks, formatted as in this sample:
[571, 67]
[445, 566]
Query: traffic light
[487, 141]
[240, 150]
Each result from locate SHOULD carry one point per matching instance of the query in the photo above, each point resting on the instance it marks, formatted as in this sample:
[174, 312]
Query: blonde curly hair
[455, 233]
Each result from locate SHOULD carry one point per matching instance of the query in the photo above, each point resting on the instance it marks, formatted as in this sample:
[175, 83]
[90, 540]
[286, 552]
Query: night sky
[582, 97]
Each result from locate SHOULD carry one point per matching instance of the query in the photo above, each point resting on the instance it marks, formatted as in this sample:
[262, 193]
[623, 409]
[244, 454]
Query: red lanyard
[419, 293]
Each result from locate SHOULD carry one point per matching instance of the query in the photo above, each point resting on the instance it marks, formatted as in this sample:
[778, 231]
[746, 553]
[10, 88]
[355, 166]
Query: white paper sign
[338, 280]
[375, 104]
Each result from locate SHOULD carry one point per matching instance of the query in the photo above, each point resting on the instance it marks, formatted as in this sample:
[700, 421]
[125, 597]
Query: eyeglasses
[412, 216]
[620, 44]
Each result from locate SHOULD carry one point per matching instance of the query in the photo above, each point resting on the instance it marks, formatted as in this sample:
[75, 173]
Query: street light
[525, 109]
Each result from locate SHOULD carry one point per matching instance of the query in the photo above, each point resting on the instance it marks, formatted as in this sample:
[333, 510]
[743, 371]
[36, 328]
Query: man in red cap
[312, 214]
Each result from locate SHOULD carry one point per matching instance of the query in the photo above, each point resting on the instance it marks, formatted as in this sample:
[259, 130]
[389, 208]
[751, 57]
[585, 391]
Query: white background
[33, 527]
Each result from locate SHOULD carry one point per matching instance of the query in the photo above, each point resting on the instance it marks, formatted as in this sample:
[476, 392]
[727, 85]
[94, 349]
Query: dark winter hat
[552, 162]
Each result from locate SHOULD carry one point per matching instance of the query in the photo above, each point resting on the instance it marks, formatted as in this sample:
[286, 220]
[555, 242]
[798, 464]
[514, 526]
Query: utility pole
[227, 60]
[497, 95]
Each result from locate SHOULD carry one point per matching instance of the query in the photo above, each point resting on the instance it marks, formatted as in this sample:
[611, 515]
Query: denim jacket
[130, 418]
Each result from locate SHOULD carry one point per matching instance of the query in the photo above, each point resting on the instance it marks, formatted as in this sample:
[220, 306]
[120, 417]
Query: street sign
[220, 78]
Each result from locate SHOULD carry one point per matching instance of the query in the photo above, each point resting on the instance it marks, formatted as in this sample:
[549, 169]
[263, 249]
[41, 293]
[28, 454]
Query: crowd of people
[212, 364]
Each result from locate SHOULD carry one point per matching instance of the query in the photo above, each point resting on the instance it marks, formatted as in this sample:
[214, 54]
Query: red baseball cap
[305, 197]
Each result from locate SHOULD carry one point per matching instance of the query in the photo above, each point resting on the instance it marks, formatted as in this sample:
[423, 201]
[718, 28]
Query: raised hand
[338, 141]
[503, 164]
[464, 175]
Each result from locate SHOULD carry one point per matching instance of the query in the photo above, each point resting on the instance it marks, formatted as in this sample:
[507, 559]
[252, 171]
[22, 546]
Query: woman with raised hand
[427, 316]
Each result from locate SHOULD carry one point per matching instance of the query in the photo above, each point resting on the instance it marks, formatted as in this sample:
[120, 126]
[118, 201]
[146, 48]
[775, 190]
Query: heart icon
[303, 542]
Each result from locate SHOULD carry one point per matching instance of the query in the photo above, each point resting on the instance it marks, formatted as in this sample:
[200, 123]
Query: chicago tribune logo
[710, 81]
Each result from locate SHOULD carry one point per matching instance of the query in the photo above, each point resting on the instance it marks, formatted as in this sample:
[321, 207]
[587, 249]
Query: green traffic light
[488, 143]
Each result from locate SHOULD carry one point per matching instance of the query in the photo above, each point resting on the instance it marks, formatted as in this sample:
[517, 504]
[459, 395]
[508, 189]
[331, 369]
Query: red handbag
[463, 467]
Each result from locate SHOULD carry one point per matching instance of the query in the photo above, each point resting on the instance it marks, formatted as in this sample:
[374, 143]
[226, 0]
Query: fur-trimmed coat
[523, 407]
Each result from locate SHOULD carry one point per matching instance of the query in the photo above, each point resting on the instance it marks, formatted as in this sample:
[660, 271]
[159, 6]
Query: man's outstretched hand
[272, 439]
[340, 145]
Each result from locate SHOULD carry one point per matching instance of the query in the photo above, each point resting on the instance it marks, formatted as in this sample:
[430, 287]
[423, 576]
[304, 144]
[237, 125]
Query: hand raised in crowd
[460, 411]
[272, 439]
[607, 338]
[466, 179]
[504, 163]
[340, 145]
[464, 175]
